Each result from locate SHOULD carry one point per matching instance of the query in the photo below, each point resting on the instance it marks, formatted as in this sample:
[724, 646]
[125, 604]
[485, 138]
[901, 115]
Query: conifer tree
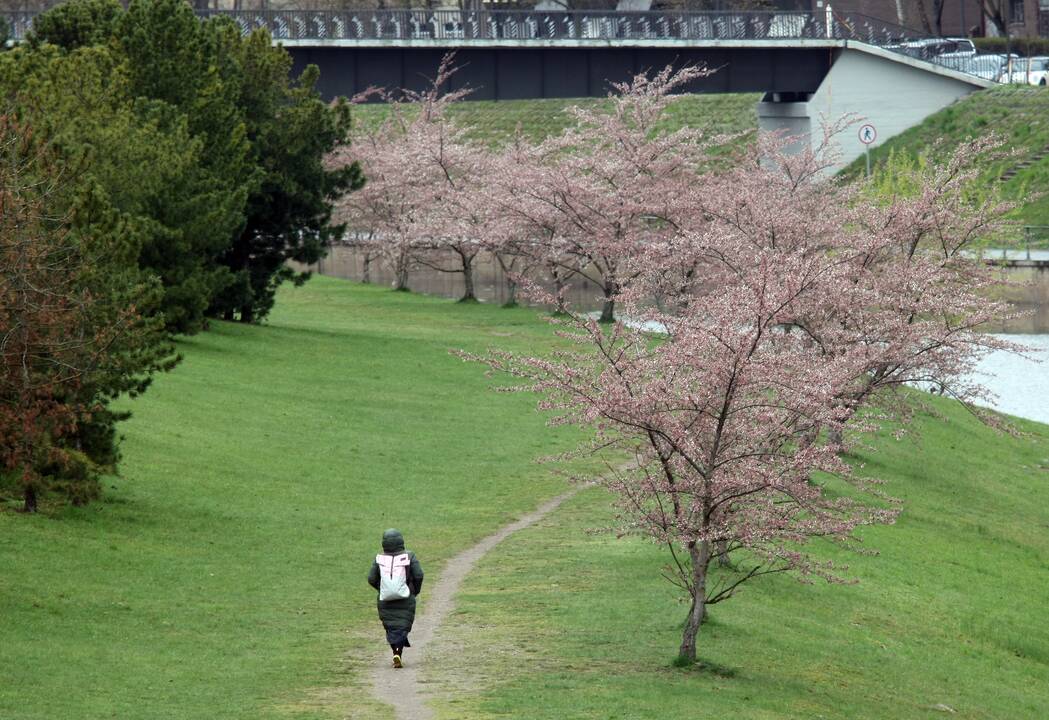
[71, 334]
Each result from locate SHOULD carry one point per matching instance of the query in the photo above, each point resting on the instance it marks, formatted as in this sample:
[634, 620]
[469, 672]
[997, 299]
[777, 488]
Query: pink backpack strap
[385, 562]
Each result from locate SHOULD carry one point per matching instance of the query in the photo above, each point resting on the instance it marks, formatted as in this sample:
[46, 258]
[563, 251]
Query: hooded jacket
[400, 613]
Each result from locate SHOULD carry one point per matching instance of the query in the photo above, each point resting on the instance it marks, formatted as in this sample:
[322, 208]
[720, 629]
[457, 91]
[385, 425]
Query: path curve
[401, 688]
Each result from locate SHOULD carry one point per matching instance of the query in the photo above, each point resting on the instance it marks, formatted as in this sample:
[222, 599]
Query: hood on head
[392, 541]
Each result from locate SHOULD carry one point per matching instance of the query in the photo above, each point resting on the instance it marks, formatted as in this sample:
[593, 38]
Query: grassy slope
[223, 574]
[496, 122]
[951, 612]
[1019, 115]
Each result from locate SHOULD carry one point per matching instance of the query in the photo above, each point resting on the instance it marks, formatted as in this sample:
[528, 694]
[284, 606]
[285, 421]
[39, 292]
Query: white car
[929, 48]
[1027, 71]
[988, 67]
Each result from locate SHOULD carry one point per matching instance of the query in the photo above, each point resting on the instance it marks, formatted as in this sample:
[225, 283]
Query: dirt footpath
[401, 688]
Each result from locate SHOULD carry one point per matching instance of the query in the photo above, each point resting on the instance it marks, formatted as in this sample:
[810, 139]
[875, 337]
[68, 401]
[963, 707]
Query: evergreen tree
[262, 138]
[73, 336]
[143, 158]
[289, 214]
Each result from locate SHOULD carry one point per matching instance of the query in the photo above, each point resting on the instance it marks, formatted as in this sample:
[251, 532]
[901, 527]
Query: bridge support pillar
[789, 116]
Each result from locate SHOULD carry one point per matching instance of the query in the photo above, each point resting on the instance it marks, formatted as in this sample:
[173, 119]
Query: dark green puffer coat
[398, 614]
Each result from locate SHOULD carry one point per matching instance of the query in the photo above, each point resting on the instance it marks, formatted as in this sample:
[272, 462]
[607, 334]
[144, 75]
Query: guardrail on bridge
[467, 26]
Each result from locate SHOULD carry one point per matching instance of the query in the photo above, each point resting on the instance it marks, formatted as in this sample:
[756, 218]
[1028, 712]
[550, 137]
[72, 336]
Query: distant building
[1025, 18]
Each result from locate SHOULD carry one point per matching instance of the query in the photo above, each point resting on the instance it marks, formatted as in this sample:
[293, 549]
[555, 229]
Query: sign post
[867, 136]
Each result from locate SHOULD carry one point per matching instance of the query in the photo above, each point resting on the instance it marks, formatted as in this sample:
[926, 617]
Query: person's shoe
[397, 661]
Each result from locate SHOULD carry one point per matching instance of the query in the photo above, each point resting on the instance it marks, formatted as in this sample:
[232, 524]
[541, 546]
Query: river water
[1020, 384]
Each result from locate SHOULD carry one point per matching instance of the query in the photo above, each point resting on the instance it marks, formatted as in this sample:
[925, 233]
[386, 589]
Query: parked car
[989, 66]
[1026, 71]
[929, 48]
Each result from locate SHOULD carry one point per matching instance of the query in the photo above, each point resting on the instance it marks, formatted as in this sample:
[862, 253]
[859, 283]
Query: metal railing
[450, 26]
[540, 25]
[525, 25]
[1031, 244]
[1035, 238]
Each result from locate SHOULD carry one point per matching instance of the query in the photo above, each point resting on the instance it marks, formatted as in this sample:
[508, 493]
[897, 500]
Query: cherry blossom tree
[517, 235]
[459, 216]
[936, 296]
[608, 187]
[791, 301]
[421, 203]
[385, 215]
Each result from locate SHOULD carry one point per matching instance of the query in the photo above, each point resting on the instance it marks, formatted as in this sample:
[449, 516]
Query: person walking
[398, 577]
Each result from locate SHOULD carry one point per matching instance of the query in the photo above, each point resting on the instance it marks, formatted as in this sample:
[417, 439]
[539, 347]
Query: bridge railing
[525, 25]
[954, 53]
[597, 25]
[1027, 243]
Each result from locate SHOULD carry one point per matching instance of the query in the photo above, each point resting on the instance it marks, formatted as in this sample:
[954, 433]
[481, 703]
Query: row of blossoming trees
[785, 304]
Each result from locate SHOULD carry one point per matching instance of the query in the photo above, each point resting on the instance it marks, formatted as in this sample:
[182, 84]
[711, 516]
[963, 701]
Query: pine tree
[71, 336]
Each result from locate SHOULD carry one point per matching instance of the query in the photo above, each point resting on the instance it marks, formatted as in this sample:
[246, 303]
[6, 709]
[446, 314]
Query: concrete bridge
[808, 66]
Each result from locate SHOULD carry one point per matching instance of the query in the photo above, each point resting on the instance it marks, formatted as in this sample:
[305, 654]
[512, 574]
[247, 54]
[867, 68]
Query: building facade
[953, 18]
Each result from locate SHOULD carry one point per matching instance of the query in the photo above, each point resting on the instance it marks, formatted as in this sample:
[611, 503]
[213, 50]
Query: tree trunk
[367, 273]
[721, 547]
[468, 278]
[511, 284]
[699, 554]
[401, 269]
[608, 308]
[247, 314]
[29, 496]
[555, 274]
[511, 294]
[559, 287]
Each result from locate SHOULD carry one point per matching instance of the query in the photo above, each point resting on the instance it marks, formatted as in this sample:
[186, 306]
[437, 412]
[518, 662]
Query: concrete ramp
[888, 90]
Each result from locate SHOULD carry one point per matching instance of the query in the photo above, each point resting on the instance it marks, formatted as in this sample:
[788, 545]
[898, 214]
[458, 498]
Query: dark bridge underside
[501, 73]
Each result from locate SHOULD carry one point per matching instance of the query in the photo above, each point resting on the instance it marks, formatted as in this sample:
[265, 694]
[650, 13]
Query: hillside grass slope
[223, 574]
[1019, 115]
[496, 122]
[949, 619]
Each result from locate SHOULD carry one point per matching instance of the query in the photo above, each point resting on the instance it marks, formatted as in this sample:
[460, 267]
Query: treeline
[165, 170]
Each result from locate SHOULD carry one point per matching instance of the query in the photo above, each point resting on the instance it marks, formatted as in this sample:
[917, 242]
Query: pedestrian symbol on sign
[868, 135]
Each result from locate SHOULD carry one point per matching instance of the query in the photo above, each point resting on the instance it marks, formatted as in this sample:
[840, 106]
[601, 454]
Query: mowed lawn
[222, 575]
[496, 123]
[951, 619]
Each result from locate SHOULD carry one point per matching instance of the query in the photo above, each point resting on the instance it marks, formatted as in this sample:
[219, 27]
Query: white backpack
[393, 576]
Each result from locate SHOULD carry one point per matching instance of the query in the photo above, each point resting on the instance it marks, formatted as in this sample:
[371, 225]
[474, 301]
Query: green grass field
[222, 576]
[495, 123]
[950, 613]
[1019, 115]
